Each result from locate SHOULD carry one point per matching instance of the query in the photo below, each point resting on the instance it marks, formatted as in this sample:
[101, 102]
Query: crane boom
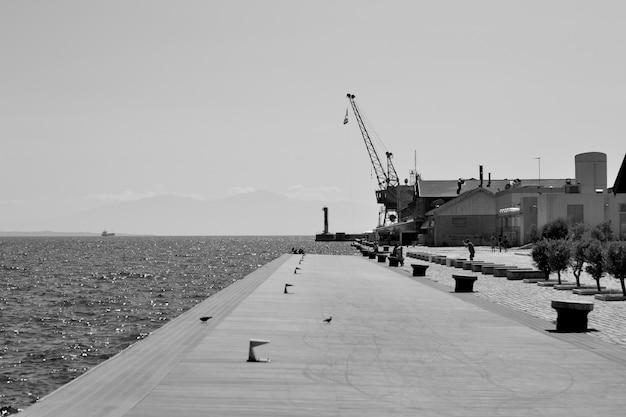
[390, 193]
[392, 175]
[383, 179]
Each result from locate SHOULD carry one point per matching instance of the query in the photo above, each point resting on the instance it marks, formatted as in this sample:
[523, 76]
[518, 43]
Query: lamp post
[539, 163]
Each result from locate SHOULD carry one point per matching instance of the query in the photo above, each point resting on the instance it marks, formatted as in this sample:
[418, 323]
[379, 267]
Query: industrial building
[447, 212]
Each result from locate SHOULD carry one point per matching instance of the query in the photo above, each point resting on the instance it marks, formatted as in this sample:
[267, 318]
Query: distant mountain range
[254, 213]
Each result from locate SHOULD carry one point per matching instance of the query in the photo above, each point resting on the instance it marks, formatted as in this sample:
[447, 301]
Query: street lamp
[539, 163]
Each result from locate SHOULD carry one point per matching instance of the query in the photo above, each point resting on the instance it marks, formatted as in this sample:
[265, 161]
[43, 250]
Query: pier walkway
[396, 345]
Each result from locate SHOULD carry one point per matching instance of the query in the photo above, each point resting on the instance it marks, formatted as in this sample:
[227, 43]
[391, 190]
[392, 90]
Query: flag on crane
[345, 119]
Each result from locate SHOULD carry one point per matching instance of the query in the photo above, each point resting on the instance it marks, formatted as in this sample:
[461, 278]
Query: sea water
[67, 304]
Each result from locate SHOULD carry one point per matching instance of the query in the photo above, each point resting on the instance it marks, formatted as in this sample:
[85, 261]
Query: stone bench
[500, 271]
[394, 261]
[519, 274]
[467, 265]
[487, 269]
[459, 262]
[450, 262]
[419, 270]
[381, 256]
[478, 266]
[566, 286]
[571, 315]
[592, 291]
[464, 283]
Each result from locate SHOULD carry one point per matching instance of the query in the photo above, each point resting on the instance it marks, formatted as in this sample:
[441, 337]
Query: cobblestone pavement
[608, 318]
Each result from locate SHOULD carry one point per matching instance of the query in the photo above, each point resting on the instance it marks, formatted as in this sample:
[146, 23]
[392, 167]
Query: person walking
[470, 248]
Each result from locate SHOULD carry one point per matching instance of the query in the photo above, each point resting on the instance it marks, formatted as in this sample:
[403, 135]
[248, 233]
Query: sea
[69, 303]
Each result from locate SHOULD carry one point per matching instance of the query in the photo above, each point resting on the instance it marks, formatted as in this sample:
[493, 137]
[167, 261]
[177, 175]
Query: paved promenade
[396, 345]
[607, 318]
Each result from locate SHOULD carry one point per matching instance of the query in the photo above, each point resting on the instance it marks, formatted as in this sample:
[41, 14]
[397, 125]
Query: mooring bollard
[394, 260]
[464, 283]
[572, 315]
[254, 343]
[419, 270]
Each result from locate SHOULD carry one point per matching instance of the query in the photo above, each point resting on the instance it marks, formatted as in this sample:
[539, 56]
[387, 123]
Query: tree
[556, 229]
[616, 262]
[541, 258]
[578, 258]
[603, 232]
[534, 233]
[579, 231]
[594, 255]
[559, 254]
[579, 237]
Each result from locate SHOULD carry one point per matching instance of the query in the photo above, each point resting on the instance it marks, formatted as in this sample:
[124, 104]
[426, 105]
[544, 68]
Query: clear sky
[105, 101]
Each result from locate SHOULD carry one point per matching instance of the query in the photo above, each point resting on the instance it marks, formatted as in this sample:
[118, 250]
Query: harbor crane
[388, 183]
[385, 179]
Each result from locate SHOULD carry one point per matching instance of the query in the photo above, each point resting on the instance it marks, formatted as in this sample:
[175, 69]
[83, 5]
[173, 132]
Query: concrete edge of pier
[349, 336]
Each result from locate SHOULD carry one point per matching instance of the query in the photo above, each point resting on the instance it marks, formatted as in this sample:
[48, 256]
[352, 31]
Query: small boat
[105, 233]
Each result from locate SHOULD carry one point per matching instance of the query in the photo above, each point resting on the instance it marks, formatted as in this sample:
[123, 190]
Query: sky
[105, 102]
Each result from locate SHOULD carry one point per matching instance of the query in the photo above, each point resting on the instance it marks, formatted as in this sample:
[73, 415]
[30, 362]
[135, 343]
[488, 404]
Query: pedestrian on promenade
[493, 243]
[470, 248]
[505, 243]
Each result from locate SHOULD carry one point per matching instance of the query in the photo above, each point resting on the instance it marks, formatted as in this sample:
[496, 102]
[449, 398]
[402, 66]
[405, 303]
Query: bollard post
[254, 343]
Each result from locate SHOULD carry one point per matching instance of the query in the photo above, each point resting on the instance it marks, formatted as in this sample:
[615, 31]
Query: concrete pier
[396, 345]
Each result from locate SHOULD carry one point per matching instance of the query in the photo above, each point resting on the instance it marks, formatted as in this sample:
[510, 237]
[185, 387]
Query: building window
[575, 213]
[459, 221]
[622, 208]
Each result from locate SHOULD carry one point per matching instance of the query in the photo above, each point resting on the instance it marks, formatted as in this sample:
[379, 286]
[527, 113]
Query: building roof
[462, 197]
[448, 188]
[620, 181]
